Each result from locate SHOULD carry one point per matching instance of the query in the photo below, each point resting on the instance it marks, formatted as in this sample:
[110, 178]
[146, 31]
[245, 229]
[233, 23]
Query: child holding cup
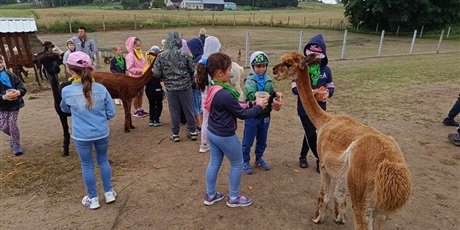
[11, 92]
[259, 86]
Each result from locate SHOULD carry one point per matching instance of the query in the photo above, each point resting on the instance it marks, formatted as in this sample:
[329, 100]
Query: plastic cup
[10, 91]
[321, 94]
[277, 103]
[261, 96]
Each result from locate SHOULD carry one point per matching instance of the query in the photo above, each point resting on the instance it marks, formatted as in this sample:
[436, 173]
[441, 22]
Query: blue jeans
[231, 148]
[85, 152]
[258, 129]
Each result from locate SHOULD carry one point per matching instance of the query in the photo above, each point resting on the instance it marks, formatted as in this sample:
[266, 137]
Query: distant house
[192, 5]
[230, 6]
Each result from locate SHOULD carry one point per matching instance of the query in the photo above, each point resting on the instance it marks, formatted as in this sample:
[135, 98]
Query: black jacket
[16, 83]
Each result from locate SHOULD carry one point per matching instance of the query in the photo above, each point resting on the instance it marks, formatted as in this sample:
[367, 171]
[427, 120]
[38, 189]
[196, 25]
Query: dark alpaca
[51, 67]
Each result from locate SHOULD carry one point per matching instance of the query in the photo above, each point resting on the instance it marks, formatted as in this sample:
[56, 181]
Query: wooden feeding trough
[15, 34]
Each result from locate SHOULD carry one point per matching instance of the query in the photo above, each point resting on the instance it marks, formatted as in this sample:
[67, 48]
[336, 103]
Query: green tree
[99, 3]
[159, 4]
[130, 4]
[410, 14]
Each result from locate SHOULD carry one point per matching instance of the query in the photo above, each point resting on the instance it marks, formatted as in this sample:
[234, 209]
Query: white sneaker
[110, 196]
[204, 148]
[92, 203]
[118, 101]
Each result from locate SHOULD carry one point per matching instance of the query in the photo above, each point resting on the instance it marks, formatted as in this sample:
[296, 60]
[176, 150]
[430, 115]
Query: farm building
[192, 5]
[230, 6]
[19, 43]
[213, 4]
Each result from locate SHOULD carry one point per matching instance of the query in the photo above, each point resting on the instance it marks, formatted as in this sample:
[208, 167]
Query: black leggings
[455, 109]
[310, 137]
[155, 105]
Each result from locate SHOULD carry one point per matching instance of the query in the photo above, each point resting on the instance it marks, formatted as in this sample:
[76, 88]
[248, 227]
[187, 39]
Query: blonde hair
[202, 32]
[115, 47]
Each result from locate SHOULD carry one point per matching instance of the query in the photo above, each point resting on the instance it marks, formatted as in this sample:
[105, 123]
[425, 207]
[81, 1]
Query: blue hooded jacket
[325, 79]
[196, 48]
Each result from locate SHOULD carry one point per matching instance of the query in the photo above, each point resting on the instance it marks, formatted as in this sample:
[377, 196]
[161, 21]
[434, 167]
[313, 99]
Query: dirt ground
[161, 184]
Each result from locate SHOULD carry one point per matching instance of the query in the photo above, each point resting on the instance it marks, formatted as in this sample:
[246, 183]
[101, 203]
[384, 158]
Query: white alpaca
[235, 81]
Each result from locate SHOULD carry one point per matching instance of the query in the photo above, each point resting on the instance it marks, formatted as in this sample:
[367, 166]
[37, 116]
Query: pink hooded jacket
[134, 65]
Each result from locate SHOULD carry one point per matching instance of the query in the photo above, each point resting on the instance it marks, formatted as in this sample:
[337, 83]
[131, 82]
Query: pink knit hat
[80, 59]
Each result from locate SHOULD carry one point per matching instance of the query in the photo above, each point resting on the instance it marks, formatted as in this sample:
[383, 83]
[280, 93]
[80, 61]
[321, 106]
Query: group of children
[91, 104]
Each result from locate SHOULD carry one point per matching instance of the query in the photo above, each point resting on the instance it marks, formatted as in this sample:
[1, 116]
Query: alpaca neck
[316, 114]
[54, 83]
[145, 78]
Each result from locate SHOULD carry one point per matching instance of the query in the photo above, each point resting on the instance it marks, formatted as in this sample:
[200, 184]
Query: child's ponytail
[201, 77]
[86, 76]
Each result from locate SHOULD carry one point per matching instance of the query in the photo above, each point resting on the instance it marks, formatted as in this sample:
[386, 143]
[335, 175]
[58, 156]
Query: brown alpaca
[124, 87]
[353, 154]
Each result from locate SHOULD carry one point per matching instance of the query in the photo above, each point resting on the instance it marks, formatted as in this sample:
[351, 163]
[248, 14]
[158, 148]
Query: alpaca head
[50, 62]
[292, 64]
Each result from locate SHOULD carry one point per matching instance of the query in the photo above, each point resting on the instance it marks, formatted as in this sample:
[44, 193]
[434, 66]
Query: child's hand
[262, 103]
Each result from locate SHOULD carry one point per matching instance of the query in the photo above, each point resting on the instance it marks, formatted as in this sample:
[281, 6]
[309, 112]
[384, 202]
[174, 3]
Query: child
[12, 92]
[135, 63]
[320, 75]
[213, 46]
[91, 107]
[154, 91]
[118, 65]
[257, 127]
[70, 49]
[196, 48]
[177, 69]
[222, 104]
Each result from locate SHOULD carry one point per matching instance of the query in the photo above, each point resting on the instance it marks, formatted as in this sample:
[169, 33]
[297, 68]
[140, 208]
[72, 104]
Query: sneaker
[136, 113]
[151, 123]
[174, 138]
[198, 129]
[450, 122]
[204, 148]
[157, 123]
[192, 136]
[142, 113]
[454, 138]
[118, 101]
[18, 151]
[211, 200]
[239, 201]
[247, 169]
[261, 164]
[92, 203]
[303, 162]
[110, 196]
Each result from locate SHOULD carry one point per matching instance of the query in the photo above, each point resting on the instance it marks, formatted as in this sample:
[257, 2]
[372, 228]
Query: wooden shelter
[15, 45]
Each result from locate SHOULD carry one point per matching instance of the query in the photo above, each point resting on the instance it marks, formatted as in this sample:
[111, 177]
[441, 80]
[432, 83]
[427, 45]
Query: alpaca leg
[126, 108]
[65, 128]
[340, 200]
[380, 220]
[323, 198]
[130, 117]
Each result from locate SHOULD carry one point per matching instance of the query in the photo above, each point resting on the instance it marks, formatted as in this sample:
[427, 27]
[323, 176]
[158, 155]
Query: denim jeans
[231, 148]
[258, 129]
[85, 152]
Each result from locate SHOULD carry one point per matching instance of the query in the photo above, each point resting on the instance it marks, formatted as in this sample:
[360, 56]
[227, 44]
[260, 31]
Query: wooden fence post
[440, 41]
[234, 19]
[188, 19]
[163, 21]
[342, 56]
[212, 19]
[103, 22]
[421, 31]
[381, 42]
[319, 22]
[253, 19]
[271, 21]
[289, 18]
[377, 28]
[397, 31]
[135, 24]
[330, 23]
[301, 42]
[247, 49]
[304, 21]
[413, 42]
[448, 32]
[70, 25]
